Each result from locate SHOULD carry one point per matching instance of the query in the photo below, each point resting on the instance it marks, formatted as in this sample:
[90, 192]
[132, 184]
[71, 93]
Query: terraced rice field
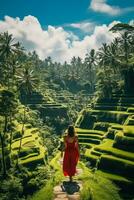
[108, 129]
[32, 151]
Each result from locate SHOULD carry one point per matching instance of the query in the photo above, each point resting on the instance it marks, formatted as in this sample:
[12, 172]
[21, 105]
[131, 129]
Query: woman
[71, 154]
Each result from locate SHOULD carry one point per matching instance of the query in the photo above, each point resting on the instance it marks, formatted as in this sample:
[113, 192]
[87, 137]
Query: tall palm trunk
[2, 137]
[23, 129]
[3, 155]
[11, 135]
[5, 125]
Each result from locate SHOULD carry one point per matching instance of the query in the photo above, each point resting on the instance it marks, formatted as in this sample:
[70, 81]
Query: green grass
[113, 107]
[96, 153]
[90, 140]
[107, 148]
[30, 161]
[79, 119]
[29, 156]
[94, 136]
[96, 187]
[88, 131]
[124, 140]
[90, 157]
[89, 137]
[116, 126]
[113, 177]
[86, 145]
[45, 193]
[116, 165]
[128, 131]
[32, 152]
[130, 110]
[109, 116]
[129, 121]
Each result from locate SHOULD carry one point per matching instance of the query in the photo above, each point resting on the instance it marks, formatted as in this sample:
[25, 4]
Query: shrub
[14, 155]
[12, 188]
[32, 186]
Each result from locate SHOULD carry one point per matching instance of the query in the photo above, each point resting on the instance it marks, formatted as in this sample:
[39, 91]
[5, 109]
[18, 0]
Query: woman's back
[70, 142]
[71, 154]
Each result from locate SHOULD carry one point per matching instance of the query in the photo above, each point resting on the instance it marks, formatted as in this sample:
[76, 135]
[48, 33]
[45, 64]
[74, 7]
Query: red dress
[71, 157]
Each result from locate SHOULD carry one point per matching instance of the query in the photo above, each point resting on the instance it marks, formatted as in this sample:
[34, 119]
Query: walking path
[68, 190]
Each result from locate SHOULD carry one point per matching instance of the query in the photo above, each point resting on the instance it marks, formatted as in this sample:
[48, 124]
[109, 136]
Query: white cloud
[84, 26]
[55, 42]
[102, 7]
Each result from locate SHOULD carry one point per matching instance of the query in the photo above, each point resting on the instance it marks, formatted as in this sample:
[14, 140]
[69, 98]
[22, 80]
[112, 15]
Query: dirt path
[68, 190]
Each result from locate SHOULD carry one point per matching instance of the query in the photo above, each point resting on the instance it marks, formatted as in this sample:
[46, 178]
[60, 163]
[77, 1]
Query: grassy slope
[30, 140]
[96, 186]
[106, 147]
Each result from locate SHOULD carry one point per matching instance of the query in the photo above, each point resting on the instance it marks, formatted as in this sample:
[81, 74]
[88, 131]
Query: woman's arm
[64, 146]
[77, 145]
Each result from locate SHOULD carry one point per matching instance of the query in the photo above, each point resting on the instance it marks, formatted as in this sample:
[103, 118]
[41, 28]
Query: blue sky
[77, 19]
[58, 12]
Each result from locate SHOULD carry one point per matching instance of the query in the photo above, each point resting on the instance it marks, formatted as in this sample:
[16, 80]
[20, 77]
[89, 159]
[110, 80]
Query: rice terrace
[67, 100]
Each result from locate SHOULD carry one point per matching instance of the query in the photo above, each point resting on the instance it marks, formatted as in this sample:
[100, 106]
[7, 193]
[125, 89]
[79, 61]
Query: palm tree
[90, 63]
[103, 55]
[78, 66]
[122, 27]
[126, 49]
[8, 106]
[8, 52]
[125, 45]
[27, 82]
[8, 46]
[113, 55]
[73, 65]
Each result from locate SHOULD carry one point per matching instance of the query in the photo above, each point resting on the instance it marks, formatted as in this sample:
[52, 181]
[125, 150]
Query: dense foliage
[43, 84]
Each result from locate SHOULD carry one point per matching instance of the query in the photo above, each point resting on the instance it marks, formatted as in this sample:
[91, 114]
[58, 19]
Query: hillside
[106, 132]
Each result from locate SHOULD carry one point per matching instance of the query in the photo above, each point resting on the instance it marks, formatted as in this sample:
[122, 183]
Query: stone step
[68, 190]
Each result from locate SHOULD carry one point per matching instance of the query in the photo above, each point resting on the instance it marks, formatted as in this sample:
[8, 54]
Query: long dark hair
[71, 131]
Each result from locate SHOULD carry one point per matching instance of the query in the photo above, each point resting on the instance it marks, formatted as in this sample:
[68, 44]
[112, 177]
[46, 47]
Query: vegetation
[40, 98]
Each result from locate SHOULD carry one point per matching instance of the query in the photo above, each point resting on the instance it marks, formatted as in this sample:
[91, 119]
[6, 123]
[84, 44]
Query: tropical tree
[8, 104]
[106, 83]
[8, 50]
[126, 53]
[103, 55]
[8, 46]
[27, 82]
[90, 63]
